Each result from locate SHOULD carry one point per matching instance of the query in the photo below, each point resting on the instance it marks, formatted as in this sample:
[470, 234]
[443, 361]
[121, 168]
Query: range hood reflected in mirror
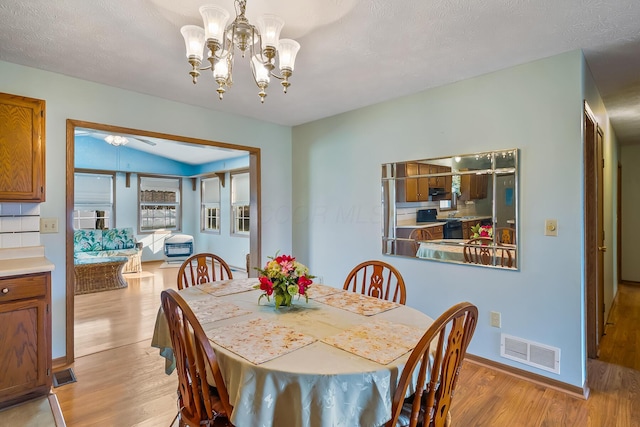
[433, 208]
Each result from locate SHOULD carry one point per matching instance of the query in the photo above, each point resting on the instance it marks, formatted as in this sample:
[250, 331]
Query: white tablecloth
[453, 250]
[313, 386]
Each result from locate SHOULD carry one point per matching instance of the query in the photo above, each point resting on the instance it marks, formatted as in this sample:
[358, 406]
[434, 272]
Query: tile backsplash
[19, 225]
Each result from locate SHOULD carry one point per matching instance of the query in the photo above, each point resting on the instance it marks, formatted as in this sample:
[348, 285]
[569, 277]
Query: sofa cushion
[118, 238]
[87, 240]
[106, 254]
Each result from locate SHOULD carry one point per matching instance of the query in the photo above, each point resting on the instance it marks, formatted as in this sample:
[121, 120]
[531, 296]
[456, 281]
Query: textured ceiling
[354, 52]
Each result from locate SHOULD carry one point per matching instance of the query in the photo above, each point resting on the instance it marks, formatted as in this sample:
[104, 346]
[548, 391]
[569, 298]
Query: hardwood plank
[621, 343]
[125, 385]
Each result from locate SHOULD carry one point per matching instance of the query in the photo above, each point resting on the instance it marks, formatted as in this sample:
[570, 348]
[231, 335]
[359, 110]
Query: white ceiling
[184, 152]
[354, 52]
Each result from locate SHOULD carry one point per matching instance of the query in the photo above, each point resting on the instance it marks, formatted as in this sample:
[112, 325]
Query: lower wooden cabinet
[25, 337]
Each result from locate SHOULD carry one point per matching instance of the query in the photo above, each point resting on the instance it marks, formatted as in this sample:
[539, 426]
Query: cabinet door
[417, 189]
[22, 167]
[23, 345]
[473, 187]
[25, 338]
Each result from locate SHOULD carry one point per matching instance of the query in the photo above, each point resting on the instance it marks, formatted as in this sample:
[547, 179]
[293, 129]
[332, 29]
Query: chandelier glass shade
[261, 43]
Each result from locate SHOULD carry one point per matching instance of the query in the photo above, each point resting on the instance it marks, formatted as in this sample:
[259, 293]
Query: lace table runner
[208, 311]
[357, 303]
[318, 290]
[259, 340]
[228, 287]
[380, 341]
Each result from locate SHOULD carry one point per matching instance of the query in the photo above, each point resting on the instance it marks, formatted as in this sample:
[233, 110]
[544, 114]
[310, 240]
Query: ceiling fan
[113, 139]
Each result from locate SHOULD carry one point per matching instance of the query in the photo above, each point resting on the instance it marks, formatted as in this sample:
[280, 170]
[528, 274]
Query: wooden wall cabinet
[473, 187]
[416, 187]
[22, 149]
[25, 337]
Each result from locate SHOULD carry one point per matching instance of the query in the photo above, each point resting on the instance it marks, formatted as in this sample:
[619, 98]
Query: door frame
[594, 232]
[255, 208]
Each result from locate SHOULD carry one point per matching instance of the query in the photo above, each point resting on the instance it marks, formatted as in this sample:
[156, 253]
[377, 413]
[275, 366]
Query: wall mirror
[460, 209]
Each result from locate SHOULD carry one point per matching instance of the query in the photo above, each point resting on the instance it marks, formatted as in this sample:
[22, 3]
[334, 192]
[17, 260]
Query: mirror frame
[394, 185]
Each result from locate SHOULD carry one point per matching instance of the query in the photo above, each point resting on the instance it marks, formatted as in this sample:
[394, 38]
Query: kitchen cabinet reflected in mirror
[459, 209]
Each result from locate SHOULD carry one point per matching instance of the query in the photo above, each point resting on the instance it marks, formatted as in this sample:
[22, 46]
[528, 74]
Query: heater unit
[178, 247]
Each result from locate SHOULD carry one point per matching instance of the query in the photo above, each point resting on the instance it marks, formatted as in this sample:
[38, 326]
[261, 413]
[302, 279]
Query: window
[210, 191]
[93, 201]
[159, 203]
[240, 202]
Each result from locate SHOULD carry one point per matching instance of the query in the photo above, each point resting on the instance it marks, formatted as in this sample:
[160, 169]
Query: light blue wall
[536, 107]
[69, 98]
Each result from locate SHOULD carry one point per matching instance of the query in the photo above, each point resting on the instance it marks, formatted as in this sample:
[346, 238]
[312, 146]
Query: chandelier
[262, 43]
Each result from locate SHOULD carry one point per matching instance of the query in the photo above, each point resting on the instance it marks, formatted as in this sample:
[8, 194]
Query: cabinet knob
[5, 290]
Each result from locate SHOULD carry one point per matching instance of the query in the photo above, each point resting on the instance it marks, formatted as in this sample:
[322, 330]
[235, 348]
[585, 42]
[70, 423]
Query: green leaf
[279, 300]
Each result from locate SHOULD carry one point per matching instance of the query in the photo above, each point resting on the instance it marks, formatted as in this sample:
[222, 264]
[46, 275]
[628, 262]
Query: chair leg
[173, 421]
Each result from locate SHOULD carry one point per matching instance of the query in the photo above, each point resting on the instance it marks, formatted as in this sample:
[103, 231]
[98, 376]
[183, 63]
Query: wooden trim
[59, 363]
[630, 282]
[254, 193]
[571, 390]
[590, 237]
[221, 176]
[56, 411]
[70, 287]
[255, 227]
[619, 223]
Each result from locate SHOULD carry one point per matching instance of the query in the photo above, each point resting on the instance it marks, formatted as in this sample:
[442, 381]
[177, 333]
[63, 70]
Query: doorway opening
[254, 207]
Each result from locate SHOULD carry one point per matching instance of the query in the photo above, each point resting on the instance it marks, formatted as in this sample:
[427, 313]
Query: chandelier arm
[272, 74]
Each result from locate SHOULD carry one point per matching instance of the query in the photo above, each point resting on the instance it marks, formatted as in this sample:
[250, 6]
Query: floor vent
[66, 376]
[530, 353]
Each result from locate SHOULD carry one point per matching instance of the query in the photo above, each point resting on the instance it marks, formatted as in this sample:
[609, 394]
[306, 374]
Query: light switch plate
[551, 227]
[496, 320]
[48, 225]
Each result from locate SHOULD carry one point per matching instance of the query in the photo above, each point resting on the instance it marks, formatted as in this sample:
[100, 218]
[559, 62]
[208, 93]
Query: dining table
[331, 361]
[453, 250]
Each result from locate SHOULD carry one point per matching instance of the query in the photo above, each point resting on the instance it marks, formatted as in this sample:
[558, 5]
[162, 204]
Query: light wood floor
[123, 383]
[621, 343]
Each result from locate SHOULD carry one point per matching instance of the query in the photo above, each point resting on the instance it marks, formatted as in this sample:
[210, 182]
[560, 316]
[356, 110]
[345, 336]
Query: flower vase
[283, 298]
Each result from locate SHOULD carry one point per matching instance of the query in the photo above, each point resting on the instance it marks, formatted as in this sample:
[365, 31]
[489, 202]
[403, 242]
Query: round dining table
[332, 361]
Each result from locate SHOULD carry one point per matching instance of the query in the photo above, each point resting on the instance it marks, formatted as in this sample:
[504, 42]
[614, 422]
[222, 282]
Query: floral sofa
[114, 242]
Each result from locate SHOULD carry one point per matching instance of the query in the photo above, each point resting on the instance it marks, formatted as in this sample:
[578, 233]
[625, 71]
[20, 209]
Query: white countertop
[19, 261]
[468, 218]
[421, 225]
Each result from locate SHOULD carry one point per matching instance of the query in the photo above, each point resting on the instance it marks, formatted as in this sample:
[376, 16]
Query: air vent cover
[530, 353]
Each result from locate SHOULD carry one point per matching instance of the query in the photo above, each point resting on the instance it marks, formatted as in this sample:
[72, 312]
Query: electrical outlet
[48, 225]
[496, 321]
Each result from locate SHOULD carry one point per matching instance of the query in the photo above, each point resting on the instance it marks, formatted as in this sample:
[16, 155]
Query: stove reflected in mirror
[459, 209]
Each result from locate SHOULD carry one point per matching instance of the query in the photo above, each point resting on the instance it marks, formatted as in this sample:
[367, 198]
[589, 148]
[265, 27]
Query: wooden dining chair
[202, 268]
[478, 251]
[199, 403]
[505, 235]
[377, 279]
[418, 235]
[437, 360]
